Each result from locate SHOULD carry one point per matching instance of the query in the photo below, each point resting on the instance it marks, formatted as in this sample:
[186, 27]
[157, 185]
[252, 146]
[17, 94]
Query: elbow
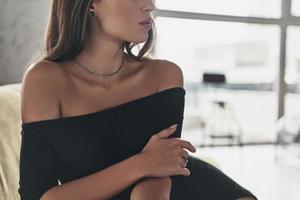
[49, 195]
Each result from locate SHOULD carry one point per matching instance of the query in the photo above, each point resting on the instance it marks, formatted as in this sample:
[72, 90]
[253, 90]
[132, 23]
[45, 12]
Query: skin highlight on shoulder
[39, 91]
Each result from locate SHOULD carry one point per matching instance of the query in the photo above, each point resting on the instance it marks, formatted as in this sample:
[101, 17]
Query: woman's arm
[159, 188]
[152, 188]
[101, 185]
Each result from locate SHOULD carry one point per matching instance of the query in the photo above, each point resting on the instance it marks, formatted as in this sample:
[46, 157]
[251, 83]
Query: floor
[255, 168]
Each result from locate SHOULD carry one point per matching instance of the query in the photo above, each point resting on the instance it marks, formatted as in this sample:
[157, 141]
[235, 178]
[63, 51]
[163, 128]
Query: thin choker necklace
[97, 74]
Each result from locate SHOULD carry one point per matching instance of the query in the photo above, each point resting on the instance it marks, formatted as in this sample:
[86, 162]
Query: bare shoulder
[39, 91]
[167, 73]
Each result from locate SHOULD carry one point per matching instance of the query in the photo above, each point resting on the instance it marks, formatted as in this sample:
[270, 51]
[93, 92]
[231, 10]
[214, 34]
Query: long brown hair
[69, 26]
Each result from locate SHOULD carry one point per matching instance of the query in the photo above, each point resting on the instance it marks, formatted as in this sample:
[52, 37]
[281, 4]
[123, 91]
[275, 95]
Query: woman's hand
[152, 188]
[163, 156]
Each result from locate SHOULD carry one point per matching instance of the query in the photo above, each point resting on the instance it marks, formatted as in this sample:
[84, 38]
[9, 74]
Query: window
[246, 53]
[296, 7]
[242, 39]
[249, 8]
[292, 77]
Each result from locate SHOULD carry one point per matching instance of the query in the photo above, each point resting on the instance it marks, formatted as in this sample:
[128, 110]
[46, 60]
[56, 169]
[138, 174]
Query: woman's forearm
[101, 185]
[152, 188]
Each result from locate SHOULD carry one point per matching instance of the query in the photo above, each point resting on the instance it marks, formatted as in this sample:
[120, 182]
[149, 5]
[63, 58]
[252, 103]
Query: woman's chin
[139, 38]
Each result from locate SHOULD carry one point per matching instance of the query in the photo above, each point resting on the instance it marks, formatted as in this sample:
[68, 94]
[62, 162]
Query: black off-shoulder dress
[69, 148]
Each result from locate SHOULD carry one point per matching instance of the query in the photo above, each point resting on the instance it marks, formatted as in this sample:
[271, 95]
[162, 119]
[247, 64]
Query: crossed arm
[159, 188]
[151, 188]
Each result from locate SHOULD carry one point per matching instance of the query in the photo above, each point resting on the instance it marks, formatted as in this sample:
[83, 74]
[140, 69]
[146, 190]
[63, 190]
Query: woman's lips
[146, 24]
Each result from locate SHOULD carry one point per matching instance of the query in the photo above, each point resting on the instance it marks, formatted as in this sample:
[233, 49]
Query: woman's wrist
[141, 165]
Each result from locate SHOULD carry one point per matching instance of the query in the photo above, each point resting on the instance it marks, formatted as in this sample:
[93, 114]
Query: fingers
[184, 154]
[165, 133]
[183, 163]
[185, 171]
[186, 145]
[181, 168]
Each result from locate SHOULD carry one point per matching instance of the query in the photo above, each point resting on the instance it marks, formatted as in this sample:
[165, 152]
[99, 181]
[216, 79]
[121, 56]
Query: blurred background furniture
[221, 123]
[288, 135]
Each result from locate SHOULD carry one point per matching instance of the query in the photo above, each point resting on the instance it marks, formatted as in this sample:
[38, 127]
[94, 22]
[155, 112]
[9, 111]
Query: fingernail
[173, 126]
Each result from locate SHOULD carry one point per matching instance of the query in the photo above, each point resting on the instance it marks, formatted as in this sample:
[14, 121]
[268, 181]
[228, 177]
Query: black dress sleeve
[37, 164]
[174, 114]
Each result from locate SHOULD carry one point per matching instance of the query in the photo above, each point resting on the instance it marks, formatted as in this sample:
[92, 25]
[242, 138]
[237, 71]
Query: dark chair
[222, 114]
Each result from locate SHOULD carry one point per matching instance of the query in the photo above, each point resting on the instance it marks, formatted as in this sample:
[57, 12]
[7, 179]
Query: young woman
[96, 121]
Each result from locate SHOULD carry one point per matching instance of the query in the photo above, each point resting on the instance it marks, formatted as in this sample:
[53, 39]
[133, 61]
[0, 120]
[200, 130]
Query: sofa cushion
[10, 121]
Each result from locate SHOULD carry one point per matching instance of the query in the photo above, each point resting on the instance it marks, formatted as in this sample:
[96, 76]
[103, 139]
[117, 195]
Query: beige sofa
[10, 141]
